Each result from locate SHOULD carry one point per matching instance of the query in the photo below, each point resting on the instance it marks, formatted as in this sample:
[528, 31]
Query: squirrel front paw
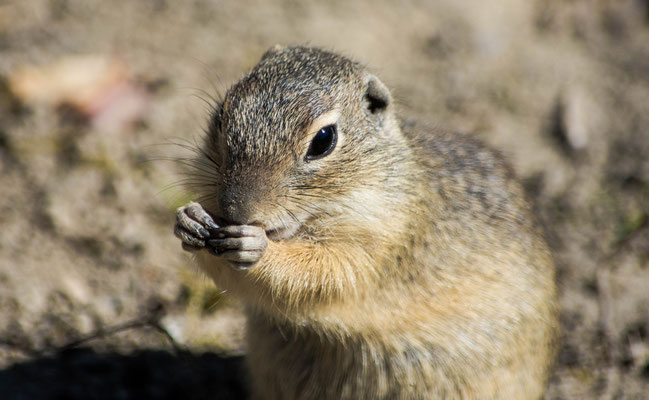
[193, 225]
[241, 245]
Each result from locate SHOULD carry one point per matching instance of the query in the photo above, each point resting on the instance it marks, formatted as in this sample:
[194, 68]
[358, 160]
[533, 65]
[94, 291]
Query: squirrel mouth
[283, 233]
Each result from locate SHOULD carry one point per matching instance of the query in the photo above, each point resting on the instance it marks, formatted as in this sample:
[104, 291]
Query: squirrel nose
[233, 216]
[235, 206]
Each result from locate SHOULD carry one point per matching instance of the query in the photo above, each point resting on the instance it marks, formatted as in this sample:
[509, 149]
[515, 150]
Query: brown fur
[415, 269]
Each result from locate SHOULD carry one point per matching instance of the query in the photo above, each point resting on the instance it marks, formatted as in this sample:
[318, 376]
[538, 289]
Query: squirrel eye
[323, 143]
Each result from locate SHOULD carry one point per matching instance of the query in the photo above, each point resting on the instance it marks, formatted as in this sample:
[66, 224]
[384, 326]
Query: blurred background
[97, 98]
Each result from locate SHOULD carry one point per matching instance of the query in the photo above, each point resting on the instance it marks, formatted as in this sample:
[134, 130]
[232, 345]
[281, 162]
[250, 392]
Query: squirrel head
[303, 130]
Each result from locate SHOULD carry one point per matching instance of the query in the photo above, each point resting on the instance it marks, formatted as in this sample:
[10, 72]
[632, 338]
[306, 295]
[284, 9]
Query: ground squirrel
[376, 259]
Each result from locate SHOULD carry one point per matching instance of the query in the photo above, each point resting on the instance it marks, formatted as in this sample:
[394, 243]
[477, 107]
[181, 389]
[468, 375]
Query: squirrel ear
[377, 95]
[273, 50]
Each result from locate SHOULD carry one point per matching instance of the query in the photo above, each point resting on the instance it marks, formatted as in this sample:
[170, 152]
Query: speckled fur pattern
[414, 268]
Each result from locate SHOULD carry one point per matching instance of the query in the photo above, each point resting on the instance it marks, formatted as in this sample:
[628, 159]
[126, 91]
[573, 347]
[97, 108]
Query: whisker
[305, 207]
[208, 102]
[291, 214]
[209, 71]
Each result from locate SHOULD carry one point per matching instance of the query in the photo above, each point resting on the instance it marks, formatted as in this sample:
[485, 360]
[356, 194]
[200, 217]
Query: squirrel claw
[191, 227]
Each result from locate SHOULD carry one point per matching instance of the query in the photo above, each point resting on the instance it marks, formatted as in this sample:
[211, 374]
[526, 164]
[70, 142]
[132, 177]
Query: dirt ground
[97, 300]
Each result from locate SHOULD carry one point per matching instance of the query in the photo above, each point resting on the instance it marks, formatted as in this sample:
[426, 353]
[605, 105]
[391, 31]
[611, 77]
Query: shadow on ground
[85, 374]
